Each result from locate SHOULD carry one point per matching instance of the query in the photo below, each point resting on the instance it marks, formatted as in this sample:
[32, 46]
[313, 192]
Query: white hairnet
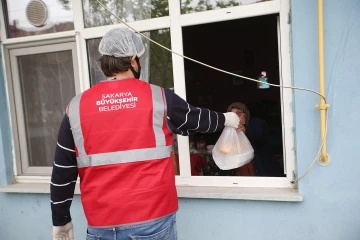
[121, 42]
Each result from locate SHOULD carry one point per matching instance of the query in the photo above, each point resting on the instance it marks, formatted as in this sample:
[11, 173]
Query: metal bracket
[324, 163]
[322, 106]
[289, 18]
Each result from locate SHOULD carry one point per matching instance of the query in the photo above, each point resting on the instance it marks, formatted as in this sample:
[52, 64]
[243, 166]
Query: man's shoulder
[168, 93]
[155, 86]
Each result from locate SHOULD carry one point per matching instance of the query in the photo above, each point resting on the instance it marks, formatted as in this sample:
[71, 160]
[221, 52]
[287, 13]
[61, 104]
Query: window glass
[35, 17]
[191, 6]
[47, 86]
[127, 10]
[156, 62]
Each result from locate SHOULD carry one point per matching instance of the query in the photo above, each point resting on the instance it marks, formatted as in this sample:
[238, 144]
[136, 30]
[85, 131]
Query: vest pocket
[162, 235]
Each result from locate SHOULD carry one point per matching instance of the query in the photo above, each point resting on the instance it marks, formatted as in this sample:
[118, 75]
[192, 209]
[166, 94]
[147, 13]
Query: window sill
[258, 194]
[30, 188]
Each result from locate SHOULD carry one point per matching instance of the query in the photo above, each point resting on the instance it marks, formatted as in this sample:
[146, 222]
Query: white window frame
[22, 159]
[175, 21]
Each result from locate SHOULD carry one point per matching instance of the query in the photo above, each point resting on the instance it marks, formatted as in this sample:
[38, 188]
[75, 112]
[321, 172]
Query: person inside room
[256, 130]
[197, 162]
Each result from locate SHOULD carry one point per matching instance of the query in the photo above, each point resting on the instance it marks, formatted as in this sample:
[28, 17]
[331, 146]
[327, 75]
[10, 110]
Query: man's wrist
[60, 221]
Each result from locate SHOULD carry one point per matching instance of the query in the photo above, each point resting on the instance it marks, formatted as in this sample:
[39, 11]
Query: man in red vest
[117, 136]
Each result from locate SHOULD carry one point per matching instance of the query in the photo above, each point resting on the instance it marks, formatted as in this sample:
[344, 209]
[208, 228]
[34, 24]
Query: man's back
[128, 108]
[123, 153]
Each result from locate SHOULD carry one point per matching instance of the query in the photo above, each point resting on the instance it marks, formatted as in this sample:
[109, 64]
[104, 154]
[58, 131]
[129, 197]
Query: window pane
[57, 17]
[128, 10]
[252, 52]
[47, 86]
[191, 6]
[156, 63]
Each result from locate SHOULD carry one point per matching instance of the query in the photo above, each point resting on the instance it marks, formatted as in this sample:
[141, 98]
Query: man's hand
[63, 232]
[231, 120]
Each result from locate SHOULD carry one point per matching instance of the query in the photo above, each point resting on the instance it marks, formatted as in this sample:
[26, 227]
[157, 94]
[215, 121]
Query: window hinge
[294, 176]
[289, 18]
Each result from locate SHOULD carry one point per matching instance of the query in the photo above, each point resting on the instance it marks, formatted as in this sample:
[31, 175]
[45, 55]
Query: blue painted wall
[5, 135]
[331, 208]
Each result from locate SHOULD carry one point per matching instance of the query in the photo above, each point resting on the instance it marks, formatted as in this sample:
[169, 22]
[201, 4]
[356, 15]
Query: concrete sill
[258, 194]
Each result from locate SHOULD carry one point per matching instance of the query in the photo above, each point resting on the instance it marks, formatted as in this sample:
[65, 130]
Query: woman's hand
[242, 118]
[241, 128]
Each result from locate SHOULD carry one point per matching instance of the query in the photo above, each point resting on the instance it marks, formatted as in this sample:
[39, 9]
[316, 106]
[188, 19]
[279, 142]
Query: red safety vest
[123, 149]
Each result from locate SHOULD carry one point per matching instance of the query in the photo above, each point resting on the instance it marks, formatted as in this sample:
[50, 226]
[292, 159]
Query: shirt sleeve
[184, 119]
[64, 175]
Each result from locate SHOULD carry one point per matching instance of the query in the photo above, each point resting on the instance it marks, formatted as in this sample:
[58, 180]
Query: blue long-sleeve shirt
[182, 119]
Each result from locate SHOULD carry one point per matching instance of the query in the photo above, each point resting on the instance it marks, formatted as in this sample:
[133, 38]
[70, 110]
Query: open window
[247, 47]
[254, 44]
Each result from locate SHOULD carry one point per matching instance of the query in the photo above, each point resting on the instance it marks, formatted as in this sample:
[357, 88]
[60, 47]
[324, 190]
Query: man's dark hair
[111, 65]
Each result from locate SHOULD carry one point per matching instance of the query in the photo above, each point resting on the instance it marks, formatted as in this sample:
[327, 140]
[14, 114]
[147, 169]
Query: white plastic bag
[232, 150]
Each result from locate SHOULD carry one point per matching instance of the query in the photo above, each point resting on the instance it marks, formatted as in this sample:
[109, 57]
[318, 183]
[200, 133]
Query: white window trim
[287, 94]
[37, 38]
[175, 21]
[231, 13]
[141, 26]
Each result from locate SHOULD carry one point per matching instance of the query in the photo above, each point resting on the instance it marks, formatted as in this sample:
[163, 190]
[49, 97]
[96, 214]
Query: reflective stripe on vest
[158, 115]
[134, 155]
[74, 118]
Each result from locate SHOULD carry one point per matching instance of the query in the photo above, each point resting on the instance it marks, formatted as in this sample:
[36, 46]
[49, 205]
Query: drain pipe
[324, 158]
